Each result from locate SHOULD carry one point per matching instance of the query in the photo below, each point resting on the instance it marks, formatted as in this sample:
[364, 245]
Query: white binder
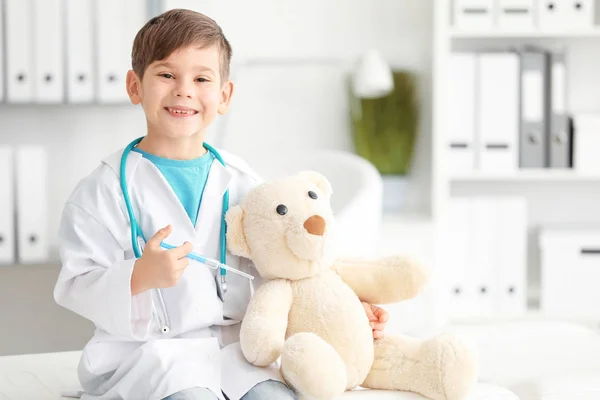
[511, 256]
[557, 15]
[515, 14]
[2, 53]
[7, 203]
[498, 117]
[117, 24]
[48, 51]
[32, 202]
[110, 20]
[80, 51]
[474, 14]
[582, 13]
[19, 51]
[461, 108]
[483, 222]
[459, 296]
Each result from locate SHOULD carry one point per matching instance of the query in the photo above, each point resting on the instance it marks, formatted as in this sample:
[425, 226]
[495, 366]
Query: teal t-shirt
[186, 177]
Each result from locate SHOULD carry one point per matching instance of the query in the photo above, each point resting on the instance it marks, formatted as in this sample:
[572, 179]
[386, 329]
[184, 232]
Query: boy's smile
[183, 93]
[181, 112]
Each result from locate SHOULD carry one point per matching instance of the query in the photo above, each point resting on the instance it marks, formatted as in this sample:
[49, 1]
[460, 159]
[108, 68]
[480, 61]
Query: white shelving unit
[553, 196]
[527, 34]
[528, 176]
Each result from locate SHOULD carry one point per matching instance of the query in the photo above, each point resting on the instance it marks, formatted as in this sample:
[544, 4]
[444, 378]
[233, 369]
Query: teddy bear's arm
[263, 329]
[383, 280]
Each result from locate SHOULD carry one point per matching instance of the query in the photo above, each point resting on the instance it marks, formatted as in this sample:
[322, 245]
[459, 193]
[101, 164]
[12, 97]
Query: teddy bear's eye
[312, 195]
[281, 209]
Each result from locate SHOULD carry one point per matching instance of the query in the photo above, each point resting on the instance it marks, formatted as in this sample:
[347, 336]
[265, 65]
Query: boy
[161, 325]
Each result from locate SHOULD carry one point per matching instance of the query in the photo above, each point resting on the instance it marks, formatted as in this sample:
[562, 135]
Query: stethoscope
[137, 234]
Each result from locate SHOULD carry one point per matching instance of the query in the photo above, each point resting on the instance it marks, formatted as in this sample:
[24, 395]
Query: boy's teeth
[181, 111]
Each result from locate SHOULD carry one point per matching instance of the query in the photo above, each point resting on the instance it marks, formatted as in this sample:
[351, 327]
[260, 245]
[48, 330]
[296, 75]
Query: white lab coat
[129, 357]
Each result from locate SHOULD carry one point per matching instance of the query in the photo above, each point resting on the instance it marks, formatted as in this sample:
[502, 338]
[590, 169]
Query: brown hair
[175, 29]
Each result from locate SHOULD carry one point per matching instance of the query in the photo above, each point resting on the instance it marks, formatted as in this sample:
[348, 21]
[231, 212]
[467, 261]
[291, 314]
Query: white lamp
[372, 77]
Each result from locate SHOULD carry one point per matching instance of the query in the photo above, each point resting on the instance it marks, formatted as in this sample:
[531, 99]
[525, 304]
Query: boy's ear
[133, 84]
[236, 239]
[226, 93]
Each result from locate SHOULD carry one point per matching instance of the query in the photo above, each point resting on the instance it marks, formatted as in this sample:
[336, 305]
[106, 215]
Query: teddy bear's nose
[315, 225]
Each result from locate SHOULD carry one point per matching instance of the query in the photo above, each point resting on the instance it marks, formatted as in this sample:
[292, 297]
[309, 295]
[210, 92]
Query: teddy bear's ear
[236, 239]
[319, 180]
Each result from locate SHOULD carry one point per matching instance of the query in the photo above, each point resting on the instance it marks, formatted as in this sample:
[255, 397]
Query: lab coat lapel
[210, 213]
[160, 206]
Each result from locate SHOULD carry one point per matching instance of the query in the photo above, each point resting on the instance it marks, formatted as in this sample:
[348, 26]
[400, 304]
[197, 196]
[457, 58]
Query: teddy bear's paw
[456, 364]
[313, 367]
[261, 352]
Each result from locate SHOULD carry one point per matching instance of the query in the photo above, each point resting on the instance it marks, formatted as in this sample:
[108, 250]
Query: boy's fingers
[377, 334]
[181, 251]
[369, 311]
[381, 314]
[182, 264]
[158, 237]
[378, 326]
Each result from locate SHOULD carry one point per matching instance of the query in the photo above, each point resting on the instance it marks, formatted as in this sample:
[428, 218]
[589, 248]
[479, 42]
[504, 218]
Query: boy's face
[182, 94]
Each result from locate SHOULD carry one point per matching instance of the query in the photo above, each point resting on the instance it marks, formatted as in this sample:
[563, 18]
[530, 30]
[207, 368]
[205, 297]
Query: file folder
[110, 19]
[582, 13]
[461, 113]
[117, 24]
[32, 202]
[48, 51]
[80, 51]
[511, 265]
[2, 53]
[535, 108]
[498, 116]
[561, 140]
[7, 204]
[19, 51]
[515, 14]
[474, 14]
[457, 281]
[483, 248]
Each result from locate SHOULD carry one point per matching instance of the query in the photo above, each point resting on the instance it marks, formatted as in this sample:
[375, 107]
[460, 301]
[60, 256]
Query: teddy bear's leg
[440, 368]
[312, 367]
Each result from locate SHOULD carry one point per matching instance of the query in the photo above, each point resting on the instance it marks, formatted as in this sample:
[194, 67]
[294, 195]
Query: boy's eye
[202, 80]
[168, 76]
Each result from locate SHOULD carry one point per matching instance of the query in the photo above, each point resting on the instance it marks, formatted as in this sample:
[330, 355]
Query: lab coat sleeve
[95, 279]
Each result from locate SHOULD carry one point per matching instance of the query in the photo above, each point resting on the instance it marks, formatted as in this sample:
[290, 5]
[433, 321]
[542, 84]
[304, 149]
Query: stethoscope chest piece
[221, 286]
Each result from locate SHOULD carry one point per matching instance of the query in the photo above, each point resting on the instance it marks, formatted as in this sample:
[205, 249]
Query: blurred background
[464, 134]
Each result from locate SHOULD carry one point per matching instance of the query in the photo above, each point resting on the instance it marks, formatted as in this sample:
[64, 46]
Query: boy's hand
[157, 267]
[378, 317]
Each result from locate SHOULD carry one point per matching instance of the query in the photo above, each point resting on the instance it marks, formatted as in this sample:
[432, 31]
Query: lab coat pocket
[100, 358]
[193, 304]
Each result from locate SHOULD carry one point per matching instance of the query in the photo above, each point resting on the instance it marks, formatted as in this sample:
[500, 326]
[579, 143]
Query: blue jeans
[267, 390]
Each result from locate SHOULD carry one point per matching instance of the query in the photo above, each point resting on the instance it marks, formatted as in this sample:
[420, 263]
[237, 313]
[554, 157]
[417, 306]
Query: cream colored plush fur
[309, 312]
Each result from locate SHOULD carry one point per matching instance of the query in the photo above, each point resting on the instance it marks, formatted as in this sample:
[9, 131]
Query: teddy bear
[308, 316]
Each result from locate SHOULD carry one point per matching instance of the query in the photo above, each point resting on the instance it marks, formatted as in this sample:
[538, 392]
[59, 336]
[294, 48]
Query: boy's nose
[183, 94]
[183, 90]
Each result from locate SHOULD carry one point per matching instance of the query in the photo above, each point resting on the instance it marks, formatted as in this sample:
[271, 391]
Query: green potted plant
[384, 128]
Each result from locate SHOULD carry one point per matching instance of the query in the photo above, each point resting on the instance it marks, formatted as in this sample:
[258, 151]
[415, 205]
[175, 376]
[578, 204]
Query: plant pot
[394, 192]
